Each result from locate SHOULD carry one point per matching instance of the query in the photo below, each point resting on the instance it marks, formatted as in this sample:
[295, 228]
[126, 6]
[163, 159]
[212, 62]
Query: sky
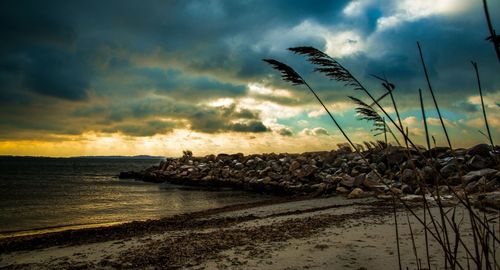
[158, 77]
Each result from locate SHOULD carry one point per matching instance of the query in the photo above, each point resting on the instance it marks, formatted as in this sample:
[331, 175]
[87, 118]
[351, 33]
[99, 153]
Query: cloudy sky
[158, 77]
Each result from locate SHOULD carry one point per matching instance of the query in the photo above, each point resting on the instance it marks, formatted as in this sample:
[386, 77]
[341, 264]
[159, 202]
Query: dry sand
[321, 233]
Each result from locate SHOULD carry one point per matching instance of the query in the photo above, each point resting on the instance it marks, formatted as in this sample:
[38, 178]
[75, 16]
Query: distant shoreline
[85, 157]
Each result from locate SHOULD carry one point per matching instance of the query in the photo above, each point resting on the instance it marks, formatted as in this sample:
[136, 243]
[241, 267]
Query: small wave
[7, 234]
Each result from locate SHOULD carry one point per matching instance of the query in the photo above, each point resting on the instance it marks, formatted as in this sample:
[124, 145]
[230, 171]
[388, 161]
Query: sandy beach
[318, 233]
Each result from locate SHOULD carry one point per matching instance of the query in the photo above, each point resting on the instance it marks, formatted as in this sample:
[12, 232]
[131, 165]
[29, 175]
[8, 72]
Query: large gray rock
[306, 171]
[480, 149]
[381, 167]
[449, 170]
[239, 166]
[395, 155]
[478, 162]
[491, 199]
[295, 165]
[372, 181]
[359, 179]
[347, 181]
[274, 176]
[428, 173]
[356, 194]
[250, 163]
[472, 187]
[474, 175]
[409, 176]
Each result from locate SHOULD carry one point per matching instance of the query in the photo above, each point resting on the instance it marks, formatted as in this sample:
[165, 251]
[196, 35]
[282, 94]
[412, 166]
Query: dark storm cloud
[200, 118]
[36, 53]
[148, 128]
[54, 49]
[151, 59]
[252, 126]
[174, 83]
[449, 43]
[466, 107]
[285, 132]
[222, 119]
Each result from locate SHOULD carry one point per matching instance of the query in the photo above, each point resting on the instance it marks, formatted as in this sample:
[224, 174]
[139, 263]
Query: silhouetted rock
[449, 170]
[478, 162]
[480, 149]
[390, 171]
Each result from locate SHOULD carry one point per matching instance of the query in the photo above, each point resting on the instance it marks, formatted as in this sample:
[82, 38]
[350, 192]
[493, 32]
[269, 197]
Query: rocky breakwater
[385, 170]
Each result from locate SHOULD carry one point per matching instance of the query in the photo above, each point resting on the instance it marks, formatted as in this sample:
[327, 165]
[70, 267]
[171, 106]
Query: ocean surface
[49, 194]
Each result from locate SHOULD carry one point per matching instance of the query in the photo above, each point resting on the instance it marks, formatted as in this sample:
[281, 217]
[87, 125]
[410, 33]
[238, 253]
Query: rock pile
[384, 169]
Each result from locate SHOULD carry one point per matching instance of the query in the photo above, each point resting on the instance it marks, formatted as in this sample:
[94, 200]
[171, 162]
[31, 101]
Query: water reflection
[40, 193]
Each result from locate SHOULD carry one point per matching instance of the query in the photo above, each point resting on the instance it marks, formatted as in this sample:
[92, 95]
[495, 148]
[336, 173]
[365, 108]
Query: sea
[40, 195]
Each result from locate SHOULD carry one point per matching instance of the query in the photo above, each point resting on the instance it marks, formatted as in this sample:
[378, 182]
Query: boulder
[449, 170]
[480, 149]
[239, 166]
[295, 165]
[347, 181]
[321, 187]
[409, 176]
[274, 176]
[481, 185]
[356, 194]
[478, 162]
[491, 199]
[359, 179]
[395, 155]
[306, 171]
[474, 175]
[372, 181]
[342, 190]
[407, 189]
[381, 167]
[250, 163]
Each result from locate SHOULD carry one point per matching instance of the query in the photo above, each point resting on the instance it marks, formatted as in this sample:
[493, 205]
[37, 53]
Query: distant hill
[90, 157]
[128, 157]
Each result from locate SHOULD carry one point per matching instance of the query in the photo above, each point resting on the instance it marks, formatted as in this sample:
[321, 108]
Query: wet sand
[320, 233]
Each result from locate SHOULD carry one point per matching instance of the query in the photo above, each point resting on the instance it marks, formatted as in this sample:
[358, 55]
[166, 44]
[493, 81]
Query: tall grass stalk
[367, 112]
[395, 214]
[493, 36]
[385, 131]
[390, 88]
[424, 119]
[289, 74]
[474, 64]
[432, 94]
[332, 69]
[335, 71]
[415, 253]
[437, 230]
[426, 237]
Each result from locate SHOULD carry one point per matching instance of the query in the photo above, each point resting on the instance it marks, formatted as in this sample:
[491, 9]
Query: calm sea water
[42, 193]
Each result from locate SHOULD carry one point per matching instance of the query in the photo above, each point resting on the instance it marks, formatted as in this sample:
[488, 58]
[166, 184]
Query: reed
[494, 38]
[474, 64]
[366, 112]
[444, 228]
